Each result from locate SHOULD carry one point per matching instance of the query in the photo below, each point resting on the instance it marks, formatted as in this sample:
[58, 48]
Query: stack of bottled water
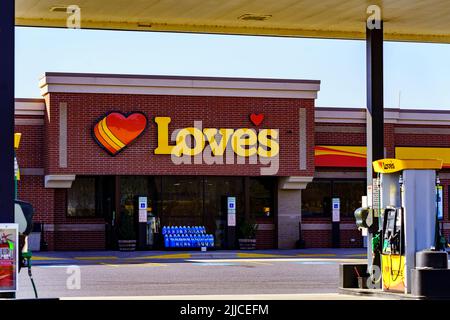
[187, 237]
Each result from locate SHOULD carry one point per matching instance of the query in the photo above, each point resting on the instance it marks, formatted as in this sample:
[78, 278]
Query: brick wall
[339, 138]
[39, 150]
[317, 238]
[30, 153]
[86, 157]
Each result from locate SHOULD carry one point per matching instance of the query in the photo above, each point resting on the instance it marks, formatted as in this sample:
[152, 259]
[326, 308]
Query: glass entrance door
[142, 215]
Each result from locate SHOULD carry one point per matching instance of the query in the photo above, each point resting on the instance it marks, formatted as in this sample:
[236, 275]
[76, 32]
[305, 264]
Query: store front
[317, 208]
[157, 151]
[98, 146]
[173, 200]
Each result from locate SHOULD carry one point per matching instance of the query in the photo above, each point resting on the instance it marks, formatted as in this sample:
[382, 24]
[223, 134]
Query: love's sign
[244, 142]
[115, 131]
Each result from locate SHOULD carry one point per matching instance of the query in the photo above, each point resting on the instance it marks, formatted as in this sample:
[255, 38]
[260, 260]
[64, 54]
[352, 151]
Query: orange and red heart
[115, 131]
[256, 118]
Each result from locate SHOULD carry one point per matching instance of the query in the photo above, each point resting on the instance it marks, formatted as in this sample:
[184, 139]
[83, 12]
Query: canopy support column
[7, 20]
[374, 114]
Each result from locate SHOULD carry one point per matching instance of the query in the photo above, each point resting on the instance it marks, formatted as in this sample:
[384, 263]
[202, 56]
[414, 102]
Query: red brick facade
[85, 157]
[39, 153]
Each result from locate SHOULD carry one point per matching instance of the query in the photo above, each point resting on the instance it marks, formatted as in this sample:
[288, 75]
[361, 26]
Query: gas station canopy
[404, 20]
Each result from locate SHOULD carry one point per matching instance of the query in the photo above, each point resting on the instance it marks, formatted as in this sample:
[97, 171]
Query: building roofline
[176, 77]
[55, 82]
[37, 100]
[391, 115]
[357, 109]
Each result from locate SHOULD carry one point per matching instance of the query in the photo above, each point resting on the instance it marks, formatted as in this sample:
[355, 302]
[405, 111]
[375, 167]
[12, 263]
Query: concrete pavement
[95, 257]
[247, 297]
[268, 274]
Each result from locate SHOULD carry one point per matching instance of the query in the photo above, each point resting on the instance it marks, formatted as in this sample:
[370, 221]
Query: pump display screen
[390, 223]
[393, 239]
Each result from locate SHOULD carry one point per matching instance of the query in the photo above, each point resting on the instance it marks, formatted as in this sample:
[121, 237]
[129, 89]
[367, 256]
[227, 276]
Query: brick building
[94, 143]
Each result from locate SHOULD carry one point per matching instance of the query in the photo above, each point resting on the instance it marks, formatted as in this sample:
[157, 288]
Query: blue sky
[421, 72]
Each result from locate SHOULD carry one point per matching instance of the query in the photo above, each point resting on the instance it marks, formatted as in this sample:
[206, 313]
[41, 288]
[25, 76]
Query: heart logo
[257, 119]
[115, 131]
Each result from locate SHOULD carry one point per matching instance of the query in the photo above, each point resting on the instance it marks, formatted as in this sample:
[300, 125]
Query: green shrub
[248, 229]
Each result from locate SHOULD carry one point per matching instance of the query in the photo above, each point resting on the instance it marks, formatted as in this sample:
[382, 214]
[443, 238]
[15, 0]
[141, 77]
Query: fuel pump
[402, 218]
[23, 217]
[23, 213]
[406, 202]
[393, 250]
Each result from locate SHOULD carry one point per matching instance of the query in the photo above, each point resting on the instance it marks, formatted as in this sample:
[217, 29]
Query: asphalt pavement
[262, 274]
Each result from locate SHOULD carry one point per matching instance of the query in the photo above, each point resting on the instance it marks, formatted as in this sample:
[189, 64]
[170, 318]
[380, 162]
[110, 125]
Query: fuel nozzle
[27, 256]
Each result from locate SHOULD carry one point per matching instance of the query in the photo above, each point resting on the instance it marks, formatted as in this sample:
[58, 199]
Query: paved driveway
[219, 273]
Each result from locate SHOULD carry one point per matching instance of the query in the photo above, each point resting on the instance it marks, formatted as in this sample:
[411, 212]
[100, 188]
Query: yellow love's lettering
[218, 149]
[244, 142]
[182, 148]
[163, 135]
[273, 148]
[243, 138]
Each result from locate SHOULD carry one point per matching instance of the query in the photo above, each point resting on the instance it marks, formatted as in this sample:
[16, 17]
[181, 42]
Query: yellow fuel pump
[393, 250]
[408, 217]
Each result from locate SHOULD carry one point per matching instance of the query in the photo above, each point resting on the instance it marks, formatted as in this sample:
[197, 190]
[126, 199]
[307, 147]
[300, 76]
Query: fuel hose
[27, 256]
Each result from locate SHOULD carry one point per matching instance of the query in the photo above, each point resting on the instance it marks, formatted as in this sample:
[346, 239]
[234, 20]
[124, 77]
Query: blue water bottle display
[211, 240]
[202, 240]
[166, 241]
[187, 237]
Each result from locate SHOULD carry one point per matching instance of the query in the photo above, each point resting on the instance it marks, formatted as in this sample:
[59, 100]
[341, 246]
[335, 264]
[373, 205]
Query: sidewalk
[89, 257]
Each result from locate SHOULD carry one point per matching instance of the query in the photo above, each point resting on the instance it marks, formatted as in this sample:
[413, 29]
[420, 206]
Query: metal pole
[375, 113]
[7, 14]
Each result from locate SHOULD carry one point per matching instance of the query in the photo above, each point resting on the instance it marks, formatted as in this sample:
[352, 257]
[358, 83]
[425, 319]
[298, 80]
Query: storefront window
[261, 197]
[217, 189]
[316, 199]
[81, 198]
[350, 194]
[182, 200]
[130, 188]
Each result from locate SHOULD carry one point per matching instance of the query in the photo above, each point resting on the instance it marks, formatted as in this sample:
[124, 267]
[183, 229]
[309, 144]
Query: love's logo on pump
[115, 131]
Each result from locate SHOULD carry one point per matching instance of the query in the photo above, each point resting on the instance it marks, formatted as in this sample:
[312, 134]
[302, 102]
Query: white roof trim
[326, 115]
[397, 116]
[181, 86]
[293, 182]
[29, 107]
[59, 181]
